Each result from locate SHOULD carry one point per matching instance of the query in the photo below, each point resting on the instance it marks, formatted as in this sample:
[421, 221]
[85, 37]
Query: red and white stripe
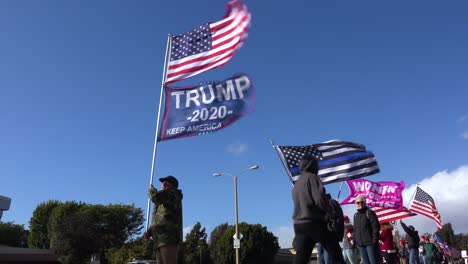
[428, 210]
[349, 235]
[227, 36]
[387, 215]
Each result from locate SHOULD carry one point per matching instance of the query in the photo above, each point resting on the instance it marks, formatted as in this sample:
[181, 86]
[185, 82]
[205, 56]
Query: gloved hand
[146, 236]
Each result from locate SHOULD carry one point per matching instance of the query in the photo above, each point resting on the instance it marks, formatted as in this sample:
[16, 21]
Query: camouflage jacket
[166, 226]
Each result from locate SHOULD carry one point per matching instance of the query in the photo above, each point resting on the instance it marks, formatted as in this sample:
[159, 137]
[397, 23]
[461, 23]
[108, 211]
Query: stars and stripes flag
[209, 46]
[388, 215]
[441, 243]
[424, 204]
[337, 160]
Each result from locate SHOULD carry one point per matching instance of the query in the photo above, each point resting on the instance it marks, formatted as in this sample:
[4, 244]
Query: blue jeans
[349, 256]
[424, 259]
[370, 254]
[324, 257]
[413, 256]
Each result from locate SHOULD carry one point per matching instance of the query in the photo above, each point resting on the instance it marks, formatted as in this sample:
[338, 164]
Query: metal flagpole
[339, 192]
[284, 165]
[414, 195]
[166, 58]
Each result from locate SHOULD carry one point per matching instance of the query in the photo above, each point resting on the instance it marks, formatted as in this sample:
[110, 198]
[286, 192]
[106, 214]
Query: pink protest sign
[385, 194]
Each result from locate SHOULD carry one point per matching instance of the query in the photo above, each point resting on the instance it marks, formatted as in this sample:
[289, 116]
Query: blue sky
[80, 84]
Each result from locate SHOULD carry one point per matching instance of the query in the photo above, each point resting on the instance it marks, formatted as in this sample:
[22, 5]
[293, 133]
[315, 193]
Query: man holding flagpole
[166, 227]
[413, 239]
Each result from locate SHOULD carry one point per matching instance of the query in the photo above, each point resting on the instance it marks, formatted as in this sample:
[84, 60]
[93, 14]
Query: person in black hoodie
[366, 232]
[412, 237]
[309, 216]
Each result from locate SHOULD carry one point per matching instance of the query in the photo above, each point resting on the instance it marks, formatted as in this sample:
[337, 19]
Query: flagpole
[414, 195]
[166, 58]
[339, 192]
[284, 166]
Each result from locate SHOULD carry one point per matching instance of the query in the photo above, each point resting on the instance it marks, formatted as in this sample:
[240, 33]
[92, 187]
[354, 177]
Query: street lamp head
[254, 167]
[216, 174]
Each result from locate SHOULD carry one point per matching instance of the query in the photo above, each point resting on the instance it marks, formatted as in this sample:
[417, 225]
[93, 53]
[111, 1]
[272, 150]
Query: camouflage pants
[167, 254]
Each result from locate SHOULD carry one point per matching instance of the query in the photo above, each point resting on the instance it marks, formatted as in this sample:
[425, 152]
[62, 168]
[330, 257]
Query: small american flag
[388, 215]
[209, 46]
[424, 204]
[337, 160]
[442, 244]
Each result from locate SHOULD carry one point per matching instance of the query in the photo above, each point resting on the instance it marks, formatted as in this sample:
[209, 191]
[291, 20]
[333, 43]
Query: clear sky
[80, 84]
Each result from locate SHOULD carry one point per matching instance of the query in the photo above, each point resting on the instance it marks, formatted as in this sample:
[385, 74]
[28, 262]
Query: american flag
[441, 243]
[209, 46]
[424, 204]
[338, 160]
[388, 215]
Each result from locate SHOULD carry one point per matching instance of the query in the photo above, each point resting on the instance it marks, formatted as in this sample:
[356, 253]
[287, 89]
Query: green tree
[195, 246]
[58, 218]
[77, 230]
[63, 225]
[13, 235]
[74, 238]
[258, 245]
[448, 234]
[462, 241]
[38, 224]
[214, 238]
[135, 249]
[114, 224]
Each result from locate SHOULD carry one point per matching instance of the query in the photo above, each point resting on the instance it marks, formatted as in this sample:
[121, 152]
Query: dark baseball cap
[170, 179]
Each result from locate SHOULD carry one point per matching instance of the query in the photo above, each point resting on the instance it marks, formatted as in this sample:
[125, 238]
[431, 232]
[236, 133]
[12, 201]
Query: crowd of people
[411, 248]
[364, 241]
[318, 220]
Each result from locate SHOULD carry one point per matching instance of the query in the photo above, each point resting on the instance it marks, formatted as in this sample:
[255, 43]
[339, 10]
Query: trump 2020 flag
[209, 46]
[206, 108]
[337, 160]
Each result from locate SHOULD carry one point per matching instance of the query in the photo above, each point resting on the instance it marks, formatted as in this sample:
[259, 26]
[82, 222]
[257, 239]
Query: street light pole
[236, 218]
[236, 209]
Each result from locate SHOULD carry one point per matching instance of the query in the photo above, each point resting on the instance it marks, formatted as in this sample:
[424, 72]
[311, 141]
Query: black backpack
[335, 220]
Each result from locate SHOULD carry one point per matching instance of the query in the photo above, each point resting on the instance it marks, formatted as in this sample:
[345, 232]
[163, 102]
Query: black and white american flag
[337, 160]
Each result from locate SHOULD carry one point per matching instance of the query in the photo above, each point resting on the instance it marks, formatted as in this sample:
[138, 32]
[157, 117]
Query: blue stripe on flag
[294, 170]
[349, 157]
